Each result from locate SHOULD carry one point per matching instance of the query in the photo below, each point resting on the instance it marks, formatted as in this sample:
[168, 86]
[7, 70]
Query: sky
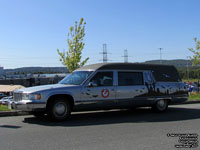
[32, 30]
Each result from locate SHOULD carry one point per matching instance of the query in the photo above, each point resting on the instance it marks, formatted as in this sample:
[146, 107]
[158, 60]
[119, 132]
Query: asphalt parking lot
[115, 130]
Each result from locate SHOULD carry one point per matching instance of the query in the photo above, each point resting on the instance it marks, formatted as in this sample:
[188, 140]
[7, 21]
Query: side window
[130, 78]
[103, 79]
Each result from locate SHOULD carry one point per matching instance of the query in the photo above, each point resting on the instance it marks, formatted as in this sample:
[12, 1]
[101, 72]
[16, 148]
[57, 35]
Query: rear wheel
[59, 109]
[161, 105]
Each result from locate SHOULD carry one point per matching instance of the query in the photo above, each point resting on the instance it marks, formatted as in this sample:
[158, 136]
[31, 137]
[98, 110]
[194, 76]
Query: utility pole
[160, 55]
[125, 56]
[105, 53]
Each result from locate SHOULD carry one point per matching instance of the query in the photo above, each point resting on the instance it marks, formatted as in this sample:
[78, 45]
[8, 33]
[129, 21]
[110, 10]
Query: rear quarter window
[130, 78]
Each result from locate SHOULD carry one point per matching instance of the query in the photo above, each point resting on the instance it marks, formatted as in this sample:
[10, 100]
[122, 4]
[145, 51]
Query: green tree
[196, 52]
[72, 58]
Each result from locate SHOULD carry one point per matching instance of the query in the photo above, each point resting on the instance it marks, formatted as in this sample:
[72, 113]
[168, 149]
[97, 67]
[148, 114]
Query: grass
[190, 80]
[194, 96]
[4, 108]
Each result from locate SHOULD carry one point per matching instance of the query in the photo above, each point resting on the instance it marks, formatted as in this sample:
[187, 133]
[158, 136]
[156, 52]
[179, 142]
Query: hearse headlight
[26, 96]
[35, 96]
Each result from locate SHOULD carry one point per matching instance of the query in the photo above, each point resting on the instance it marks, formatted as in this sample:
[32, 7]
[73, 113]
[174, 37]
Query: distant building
[1, 72]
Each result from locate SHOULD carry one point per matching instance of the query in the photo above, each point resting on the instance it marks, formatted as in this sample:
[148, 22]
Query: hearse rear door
[131, 89]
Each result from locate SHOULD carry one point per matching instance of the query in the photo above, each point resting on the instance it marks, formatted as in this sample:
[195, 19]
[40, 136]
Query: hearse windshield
[75, 78]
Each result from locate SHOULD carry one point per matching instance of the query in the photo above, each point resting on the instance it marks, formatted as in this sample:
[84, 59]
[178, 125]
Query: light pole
[188, 75]
[160, 55]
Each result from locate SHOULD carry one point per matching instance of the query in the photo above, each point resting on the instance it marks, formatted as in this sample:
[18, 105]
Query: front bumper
[28, 105]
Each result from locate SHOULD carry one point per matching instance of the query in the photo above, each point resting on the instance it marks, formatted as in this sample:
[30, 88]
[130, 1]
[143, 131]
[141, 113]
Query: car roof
[159, 71]
[122, 66]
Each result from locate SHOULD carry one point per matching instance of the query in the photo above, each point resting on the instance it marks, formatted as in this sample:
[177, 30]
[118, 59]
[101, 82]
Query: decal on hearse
[105, 93]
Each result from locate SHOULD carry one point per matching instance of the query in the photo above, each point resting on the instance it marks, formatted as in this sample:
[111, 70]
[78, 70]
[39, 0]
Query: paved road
[140, 129]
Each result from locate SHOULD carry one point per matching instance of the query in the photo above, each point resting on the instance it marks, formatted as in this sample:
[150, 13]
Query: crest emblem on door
[105, 93]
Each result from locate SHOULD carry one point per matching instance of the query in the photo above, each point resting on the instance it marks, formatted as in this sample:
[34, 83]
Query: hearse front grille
[17, 97]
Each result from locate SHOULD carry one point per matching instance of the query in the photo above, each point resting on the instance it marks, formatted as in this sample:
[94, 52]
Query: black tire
[132, 108]
[38, 113]
[58, 109]
[160, 106]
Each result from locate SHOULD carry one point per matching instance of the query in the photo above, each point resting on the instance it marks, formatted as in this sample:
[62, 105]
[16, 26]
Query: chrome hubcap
[161, 103]
[60, 109]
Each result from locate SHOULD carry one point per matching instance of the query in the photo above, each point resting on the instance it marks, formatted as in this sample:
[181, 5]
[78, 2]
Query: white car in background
[6, 100]
[2, 95]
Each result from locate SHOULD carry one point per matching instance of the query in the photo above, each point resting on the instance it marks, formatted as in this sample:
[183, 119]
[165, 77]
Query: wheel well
[169, 101]
[66, 96]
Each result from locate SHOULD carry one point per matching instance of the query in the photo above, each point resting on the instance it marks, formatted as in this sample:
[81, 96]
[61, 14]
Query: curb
[192, 102]
[22, 113]
[13, 113]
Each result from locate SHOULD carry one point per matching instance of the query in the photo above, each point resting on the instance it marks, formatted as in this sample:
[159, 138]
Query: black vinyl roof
[166, 73]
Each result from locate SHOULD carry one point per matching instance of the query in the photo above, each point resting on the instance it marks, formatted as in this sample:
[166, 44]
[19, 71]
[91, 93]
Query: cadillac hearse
[105, 86]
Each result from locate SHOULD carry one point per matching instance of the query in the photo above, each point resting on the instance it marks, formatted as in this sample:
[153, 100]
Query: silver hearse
[105, 86]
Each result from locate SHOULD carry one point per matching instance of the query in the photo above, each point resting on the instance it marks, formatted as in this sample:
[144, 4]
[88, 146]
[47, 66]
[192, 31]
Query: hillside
[179, 63]
[175, 62]
[34, 70]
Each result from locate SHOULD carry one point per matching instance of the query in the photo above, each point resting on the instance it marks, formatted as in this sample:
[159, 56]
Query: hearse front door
[99, 91]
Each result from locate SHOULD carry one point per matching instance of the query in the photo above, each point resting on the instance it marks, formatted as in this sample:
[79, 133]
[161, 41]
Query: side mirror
[92, 84]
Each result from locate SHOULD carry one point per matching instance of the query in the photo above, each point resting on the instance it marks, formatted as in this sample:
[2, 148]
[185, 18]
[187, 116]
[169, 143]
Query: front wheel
[161, 105]
[59, 109]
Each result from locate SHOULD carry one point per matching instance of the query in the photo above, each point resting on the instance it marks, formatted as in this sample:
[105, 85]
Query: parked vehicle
[6, 100]
[105, 86]
[2, 95]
